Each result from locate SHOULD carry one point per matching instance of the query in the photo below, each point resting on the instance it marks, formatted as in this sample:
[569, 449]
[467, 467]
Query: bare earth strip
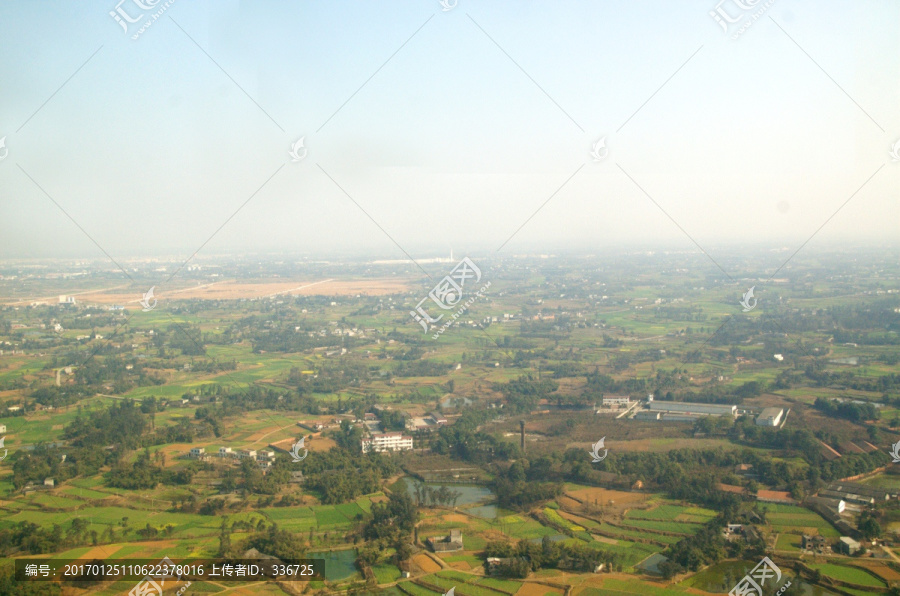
[235, 290]
[53, 299]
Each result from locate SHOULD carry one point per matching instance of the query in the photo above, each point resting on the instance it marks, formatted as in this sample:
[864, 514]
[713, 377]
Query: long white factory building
[683, 407]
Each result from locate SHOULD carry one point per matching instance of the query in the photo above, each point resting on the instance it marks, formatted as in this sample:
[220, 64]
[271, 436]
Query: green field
[661, 526]
[417, 590]
[790, 518]
[845, 573]
[386, 573]
[616, 532]
[618, 587]
[668, 512]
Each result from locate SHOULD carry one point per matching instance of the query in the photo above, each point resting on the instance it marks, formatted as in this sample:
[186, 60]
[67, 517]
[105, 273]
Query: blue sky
[150, 146]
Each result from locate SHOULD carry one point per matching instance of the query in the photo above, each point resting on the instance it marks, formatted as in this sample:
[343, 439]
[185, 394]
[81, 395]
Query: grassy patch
[386, 574]
[854, 575]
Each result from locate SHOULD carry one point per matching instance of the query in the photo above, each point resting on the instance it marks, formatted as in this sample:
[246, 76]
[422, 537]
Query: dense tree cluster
[524, 394]
[341, 475]
[526, 556]
[844, 409]
[463, 441]
[520, 487]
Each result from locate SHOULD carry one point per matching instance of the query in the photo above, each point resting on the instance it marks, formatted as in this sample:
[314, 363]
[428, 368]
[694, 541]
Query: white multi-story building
[265, 455]
[225, 452]
[197, 451]
[616, 400]
[393, 441]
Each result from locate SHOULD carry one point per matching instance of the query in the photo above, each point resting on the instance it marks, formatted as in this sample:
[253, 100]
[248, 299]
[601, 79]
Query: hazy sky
[151, 147]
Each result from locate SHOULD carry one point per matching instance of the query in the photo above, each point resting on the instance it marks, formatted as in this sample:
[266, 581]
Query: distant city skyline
[475, 128]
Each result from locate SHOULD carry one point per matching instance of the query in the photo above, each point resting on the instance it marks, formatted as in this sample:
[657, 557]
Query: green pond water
[339, 564]
[470, 494]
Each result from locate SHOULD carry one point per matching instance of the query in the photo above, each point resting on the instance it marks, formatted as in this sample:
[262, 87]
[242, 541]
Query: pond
[456, 402]
[469, 493]
[722, 577]
[339, 564]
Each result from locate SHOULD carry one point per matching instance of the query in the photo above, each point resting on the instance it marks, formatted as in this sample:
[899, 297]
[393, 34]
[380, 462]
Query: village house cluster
[264, 458]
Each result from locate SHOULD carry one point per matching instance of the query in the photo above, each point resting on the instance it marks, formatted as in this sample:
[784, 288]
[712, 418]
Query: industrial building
[683, 407]
[770, 417]
[847, 497]
[832, 505]
[647, 415]
[879, 494]
[681, 417]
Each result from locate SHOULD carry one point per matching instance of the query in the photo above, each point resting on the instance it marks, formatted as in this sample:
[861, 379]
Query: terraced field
[444, 582]
[669, 512]
[622, 587]
[493, 584]
[790, 519]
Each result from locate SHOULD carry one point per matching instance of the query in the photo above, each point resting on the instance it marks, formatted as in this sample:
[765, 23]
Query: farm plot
[417, 590]
[664, 526]
[805, 522]
[556, 518]
[616, 532]
[465, 589]
[632, 553]
[527, 529]
[620, 587]
[503, 585]
[854, 575]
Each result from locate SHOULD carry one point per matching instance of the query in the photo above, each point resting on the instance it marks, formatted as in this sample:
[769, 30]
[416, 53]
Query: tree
[869, 526]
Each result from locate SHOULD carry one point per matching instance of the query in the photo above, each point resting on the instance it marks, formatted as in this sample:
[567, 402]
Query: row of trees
[443, 495]
[526, 556]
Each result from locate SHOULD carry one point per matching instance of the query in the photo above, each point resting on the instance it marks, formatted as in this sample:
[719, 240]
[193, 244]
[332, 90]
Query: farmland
[255, 365]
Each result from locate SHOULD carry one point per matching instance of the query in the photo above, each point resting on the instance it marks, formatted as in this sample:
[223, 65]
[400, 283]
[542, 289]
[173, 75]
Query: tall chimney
[522, 441]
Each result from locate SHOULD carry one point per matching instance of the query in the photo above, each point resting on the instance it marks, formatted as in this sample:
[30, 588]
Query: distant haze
[150, 147]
